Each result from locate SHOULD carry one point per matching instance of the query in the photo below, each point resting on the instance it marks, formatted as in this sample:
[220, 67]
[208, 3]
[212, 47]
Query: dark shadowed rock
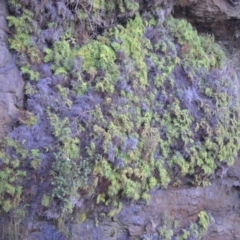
[218, 17]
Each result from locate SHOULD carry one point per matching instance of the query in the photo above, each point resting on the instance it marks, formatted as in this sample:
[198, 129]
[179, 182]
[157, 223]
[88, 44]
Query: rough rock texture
[45, 231]
[11, 82]
[139, 220]
[218, 17]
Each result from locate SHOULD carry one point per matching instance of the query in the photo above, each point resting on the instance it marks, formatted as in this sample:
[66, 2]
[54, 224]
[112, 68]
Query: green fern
[10, 177]
[33, 75]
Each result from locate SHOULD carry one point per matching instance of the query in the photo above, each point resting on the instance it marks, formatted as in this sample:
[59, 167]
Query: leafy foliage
[22, 42]
[137, 108]
[170, 229]
[45, 201]
[197, 51]
[23, 27]
[99, 57]
[68, 178]
[10, 175]
[61, 55]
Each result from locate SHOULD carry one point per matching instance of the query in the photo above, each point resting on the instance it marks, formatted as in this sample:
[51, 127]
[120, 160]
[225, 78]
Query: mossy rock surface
[142, 106]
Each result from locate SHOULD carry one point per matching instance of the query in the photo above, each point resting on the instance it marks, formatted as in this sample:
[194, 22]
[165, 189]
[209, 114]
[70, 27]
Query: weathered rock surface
[45, 231]
[11, 82]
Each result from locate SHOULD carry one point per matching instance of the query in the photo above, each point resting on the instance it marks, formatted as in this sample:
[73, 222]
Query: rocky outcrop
[218, 17]
[11, 82]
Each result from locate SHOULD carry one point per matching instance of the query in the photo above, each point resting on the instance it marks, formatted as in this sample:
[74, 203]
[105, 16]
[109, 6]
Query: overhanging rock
[218, 17]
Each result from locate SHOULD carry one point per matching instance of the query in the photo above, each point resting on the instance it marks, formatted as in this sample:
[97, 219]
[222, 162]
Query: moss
[61, 56]
[82, 217]
[169, 227]
[22, 42]
[23, 28]
[196, 51]
[68, 177]
[166, 139]
[203, 221]
[45, 201]
[98, 56]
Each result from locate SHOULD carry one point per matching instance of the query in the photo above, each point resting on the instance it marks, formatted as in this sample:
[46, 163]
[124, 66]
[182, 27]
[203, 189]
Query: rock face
[218, 17]
[11, 82]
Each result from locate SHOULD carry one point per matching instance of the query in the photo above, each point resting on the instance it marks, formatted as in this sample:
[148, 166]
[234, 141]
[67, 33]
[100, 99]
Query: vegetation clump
[11, 176]
[136, 108]
[197, 51]
[171, 228]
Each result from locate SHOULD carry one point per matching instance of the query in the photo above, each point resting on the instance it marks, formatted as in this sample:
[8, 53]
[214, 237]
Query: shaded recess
[218, 17]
